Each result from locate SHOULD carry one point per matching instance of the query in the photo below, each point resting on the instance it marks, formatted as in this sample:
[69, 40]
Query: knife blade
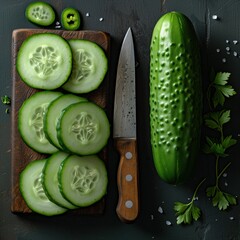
[125, 133]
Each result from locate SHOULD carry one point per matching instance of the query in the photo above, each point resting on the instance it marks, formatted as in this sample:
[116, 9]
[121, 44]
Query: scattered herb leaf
[187, 212]
[6, 100]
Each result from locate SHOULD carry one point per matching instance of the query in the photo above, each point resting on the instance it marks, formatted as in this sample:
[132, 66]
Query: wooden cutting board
[21, 153]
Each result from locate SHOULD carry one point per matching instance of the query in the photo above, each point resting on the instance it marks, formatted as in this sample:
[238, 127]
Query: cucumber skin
[175, 97]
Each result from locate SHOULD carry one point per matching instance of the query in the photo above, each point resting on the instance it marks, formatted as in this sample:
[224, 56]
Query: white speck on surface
[196, 198]
[231, 218]
[226, 184]
[224, 60]
[235, 42]
[87, 14]
[101, 19]
[214, 17]
[160, 210]
[168, 223]
[227, 41]
[152, 217]
[218, 50]
[57, 23]
[216, 219]
[225, 175]
[235, 54]
[228, 49]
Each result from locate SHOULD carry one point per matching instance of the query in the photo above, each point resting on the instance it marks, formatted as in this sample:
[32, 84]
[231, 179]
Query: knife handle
[127, 180]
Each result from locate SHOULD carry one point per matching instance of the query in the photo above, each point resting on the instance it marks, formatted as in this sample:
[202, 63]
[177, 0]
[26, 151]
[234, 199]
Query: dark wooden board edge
[21, 154]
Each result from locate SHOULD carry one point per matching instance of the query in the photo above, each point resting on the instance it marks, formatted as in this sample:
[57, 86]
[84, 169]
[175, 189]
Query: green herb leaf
[221, 89]
[222, 78]
[186, 212]
[6, 100]
[220, 199]
[228, 142]
[216, 120]
[216, 148]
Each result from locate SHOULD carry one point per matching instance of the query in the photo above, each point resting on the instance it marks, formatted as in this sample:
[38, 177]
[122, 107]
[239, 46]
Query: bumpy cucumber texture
[175, 97]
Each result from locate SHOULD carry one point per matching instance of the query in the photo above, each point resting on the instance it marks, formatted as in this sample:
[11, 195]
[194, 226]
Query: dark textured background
[141, 16]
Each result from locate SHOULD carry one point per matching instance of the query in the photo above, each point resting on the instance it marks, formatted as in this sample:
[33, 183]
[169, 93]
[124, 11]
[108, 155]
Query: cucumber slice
[83, 128]
[83, 180]
[53, 113]
[44, 61]
[70, 19]
[50, 180]
[90, 65]
[40, 13]
[30, 121]
[31, 188]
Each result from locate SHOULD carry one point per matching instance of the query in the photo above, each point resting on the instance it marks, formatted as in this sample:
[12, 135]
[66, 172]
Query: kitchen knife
[124, 132]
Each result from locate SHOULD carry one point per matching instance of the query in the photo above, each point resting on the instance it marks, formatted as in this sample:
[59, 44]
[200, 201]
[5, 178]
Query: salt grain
[224, 60]
[235, 42]
[160, 210]
[231, 218]
[225, 175]
[217, 50]
[168, 223]
[214, 17]
[87, 14]
[101, 19]
[235, 54]
[227, 41]
[228, 48]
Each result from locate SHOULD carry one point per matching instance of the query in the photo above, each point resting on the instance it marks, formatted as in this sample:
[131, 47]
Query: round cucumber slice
[90, 65]
[83, 128]
[53, 113]
[31, 188]
[44, 61]
[40, 13]
[50, 180]
[31, 124]
[83, 180]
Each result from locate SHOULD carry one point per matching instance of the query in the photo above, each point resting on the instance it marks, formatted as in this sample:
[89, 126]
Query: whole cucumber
[175, 97]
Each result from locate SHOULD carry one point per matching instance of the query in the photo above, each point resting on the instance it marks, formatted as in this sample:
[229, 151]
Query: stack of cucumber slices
[67, 127]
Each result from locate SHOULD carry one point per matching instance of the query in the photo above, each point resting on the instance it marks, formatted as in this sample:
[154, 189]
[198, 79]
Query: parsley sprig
[216, 120]
[187, 212]
[218, 91]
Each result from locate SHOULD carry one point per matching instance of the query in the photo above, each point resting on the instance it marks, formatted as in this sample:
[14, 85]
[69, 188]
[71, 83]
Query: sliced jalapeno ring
[70, 19]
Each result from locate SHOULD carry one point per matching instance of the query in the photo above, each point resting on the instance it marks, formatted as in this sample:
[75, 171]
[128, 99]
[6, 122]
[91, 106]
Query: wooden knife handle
[127, 180]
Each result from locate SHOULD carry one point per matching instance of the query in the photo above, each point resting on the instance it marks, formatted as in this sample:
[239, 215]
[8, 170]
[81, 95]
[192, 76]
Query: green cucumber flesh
[83, 180]
[50, 180]
[31, 123]
[31, 188]
[70, 19]
[44, 61]
[40, 13]
[83, 128]
[90, 66]
[53, 113]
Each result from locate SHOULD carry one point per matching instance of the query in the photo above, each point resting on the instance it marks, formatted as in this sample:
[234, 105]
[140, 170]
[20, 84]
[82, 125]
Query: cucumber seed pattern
[84, 179]
[37, 122]
[44, 61]
[82, 65]
[38, 188]
[84, 128]
[40, 13]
